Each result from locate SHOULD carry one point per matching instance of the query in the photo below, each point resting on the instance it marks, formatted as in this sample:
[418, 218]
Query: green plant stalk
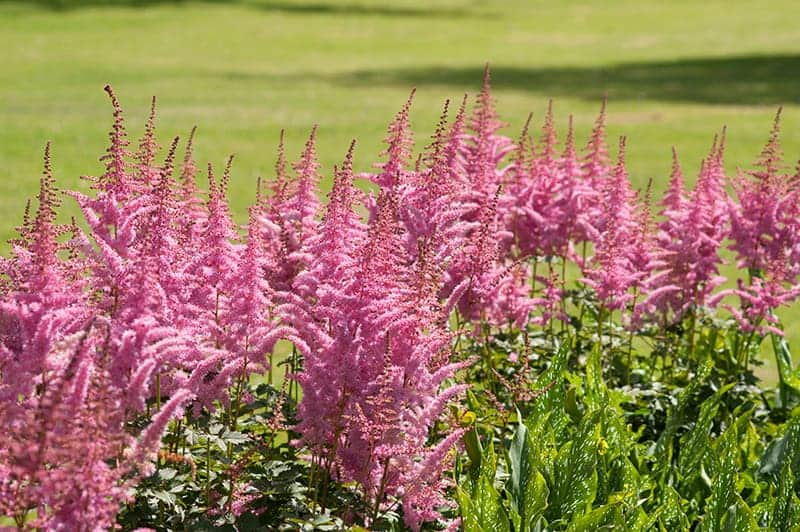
[208, 472]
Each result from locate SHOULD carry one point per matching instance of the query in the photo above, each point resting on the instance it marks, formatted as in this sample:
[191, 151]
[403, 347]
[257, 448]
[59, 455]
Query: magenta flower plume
[41, 304]
[764, 231]
[191, 218]
[484, 148]
[116, 178]
[374, 365]
[290, 215]
[399, 144]
[596, 163]
[146, 303]
[615, 271]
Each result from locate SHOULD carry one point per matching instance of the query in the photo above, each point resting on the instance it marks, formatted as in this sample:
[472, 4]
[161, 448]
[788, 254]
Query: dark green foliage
[643, 431]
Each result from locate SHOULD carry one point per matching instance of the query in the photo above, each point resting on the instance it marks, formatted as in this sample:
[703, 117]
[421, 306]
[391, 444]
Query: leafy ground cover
[501, 335]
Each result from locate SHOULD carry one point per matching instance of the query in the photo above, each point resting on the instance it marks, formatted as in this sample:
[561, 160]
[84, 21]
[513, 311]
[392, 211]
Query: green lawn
[675, 73]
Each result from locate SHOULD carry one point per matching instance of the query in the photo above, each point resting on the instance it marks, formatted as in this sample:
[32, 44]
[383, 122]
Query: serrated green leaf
[472, 443]
[234, 437]
[789, 379]
[678, 416]
[165, 497]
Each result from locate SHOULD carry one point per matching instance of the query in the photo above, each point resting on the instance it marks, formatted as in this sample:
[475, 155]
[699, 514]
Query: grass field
[675, 73]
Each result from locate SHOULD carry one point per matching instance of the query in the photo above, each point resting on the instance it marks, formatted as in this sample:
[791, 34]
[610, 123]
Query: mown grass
[675, 73]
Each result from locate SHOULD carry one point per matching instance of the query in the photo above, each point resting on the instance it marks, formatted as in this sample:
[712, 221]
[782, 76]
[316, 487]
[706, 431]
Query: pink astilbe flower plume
[147, 173]
[764, 232]
[373, 339]
[116, 178]
[40, 304]
[399, 144]
[689, 239]
[192, 216]
[614, 272]
[484, 148]
[596, 161]
[61, 457]
[290, 215]
[303, 206]
[143, 306]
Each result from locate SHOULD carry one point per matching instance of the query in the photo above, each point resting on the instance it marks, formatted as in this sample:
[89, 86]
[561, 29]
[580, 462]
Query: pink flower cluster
[156, 302]
[162, 302]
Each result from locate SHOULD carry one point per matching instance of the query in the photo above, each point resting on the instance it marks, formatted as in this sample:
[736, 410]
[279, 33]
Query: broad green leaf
[784, 451]
[575, 475]
[785, 515]
[724, 486]
[678, 416]
[473, 445]
[740, 518]
[482, 511]
[527, 486]
[670, 514]
[607, 517]
[695, 443]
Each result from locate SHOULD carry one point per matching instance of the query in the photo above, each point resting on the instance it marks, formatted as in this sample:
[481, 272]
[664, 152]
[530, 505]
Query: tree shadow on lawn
[330, 7]
[743, 80]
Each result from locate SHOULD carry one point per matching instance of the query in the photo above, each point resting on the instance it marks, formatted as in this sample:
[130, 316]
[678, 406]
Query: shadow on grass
[330, 7]
[744, 80]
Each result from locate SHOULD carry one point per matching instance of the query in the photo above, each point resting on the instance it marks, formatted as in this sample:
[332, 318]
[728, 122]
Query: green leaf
[527, 486]
[483, 510]
[789, 379]
[782, 452]
[670, 513]
[784, 515]
[575, 474]
[606, 517]
[167, 473]
[678, 416]
[724, 486]
[234, 437]
[473, 446]
[740, 518]
[165, 497]
[695, 443]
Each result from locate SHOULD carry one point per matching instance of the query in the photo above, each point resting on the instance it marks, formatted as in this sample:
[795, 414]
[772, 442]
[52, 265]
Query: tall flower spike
[675, 197]
[569, 159]
[116, 178]
[435, 156]
[399, 144]
[485, 121]
[523, 152]
[771, 159]
[549, 137]
[455, 136]
[42, 239]
[189, 170]
[304, 205]
[595, 159]
[147, 144]
[281, 181]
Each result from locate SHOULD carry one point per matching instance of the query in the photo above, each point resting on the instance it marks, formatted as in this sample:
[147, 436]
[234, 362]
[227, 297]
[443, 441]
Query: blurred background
[675, 73]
